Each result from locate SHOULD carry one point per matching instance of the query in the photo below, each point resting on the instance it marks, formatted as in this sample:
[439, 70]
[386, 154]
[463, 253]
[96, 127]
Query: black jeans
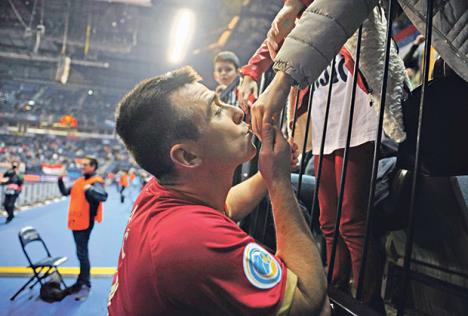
[9, 204]
[81, 241]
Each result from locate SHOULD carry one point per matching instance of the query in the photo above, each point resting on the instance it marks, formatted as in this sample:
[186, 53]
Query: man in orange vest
[86, 196]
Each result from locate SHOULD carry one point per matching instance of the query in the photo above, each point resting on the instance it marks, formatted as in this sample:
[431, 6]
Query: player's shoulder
[197, 218]
[193, 226]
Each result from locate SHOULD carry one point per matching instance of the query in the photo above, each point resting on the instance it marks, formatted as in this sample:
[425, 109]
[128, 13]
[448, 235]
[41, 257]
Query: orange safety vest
[78, 211]
[124, 180]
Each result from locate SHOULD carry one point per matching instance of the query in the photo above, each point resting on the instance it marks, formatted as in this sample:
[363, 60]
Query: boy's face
[225, 72]
[225, 140]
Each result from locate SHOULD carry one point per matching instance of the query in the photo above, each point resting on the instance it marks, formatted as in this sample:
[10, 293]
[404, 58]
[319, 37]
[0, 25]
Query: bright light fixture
[180, 36]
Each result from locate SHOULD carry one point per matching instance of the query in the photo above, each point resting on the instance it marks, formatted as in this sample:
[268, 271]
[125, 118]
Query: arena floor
[51, 222]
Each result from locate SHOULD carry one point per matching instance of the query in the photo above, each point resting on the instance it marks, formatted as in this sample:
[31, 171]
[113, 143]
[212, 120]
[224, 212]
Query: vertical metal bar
[375, 162]
[306, 136]
[283, 115]
[65, 29]
[345, 158]
[28, 194]
[410, 230]
[322, 145]
[35, 195]
[296, 107]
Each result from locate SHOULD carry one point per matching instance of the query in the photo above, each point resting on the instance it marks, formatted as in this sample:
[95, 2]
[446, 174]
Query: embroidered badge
[261, 269]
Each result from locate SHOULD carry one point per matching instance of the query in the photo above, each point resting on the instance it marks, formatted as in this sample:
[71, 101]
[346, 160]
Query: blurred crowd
[43, 106]
[39, 150]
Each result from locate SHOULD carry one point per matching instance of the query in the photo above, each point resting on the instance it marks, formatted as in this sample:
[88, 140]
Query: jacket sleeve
[261, 60]
[258, 63]
[96, 193]
[63, 189]
[318, 36]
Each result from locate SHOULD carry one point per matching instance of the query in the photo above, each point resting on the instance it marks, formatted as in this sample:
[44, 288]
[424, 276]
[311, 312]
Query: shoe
[83, 293]
[9, 219]
[75, 288]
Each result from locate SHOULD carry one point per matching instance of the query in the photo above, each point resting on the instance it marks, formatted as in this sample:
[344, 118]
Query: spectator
[227, 75]
[13, 183]
[123, 182]
[412, 60]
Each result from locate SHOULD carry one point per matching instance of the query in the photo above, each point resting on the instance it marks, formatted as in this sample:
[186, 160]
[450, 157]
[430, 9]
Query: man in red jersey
[182, 252]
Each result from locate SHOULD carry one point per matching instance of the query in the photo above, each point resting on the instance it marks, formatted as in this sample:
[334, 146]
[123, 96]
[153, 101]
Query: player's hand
[247, 88]
[269, 104]
[275, 156]
[63, 173]
[282, 25]
[86, 187]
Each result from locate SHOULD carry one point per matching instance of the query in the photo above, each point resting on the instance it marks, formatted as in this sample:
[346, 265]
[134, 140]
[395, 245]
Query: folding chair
[42, 268]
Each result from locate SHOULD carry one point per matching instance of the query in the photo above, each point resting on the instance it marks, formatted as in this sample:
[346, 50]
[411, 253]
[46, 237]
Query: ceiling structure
[112, 45]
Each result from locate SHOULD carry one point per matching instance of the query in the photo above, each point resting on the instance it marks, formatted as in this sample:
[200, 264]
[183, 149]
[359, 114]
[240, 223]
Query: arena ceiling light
[180, 35]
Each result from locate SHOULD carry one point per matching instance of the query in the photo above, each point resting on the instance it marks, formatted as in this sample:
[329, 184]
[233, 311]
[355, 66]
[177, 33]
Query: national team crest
[261, 269]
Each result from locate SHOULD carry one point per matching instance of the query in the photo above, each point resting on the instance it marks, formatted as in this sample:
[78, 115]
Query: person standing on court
[86, 196]
[123, 183]
[13, 183]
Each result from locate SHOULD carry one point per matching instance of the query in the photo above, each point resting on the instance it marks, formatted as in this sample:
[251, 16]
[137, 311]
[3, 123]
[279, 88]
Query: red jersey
[182, 258]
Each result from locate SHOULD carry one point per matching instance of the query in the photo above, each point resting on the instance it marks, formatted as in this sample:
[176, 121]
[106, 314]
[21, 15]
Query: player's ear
[184, 156]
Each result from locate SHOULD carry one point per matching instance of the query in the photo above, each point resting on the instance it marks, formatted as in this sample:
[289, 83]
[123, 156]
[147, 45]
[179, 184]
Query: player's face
[224, 72]
[225, 140]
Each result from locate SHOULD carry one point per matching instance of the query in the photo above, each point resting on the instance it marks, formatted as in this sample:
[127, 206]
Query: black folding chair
[42, 268]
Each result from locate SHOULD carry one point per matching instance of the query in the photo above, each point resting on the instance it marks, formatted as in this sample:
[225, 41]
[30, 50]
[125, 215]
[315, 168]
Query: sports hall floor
[51, 222]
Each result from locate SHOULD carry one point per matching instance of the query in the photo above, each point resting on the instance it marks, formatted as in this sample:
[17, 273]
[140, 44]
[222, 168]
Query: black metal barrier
[411, 223]
[259, 221]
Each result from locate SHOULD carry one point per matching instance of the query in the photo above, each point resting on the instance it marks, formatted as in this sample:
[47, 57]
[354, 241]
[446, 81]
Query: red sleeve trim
[258, 63]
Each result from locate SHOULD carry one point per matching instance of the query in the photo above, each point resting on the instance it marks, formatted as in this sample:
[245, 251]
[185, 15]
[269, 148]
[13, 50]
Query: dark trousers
[81, 238]
[9, 204]
[122, 196]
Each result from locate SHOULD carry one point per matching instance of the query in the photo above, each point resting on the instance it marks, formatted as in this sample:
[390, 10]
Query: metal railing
[257, 222]
[34, 193]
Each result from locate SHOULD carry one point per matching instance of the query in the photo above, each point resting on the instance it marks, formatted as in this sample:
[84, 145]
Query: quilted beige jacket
[327, 25]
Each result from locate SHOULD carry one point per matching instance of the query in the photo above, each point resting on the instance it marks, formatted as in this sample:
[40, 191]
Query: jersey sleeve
[215, 268]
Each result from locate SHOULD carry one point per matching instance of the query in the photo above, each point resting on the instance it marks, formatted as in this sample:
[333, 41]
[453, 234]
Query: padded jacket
[326, 25]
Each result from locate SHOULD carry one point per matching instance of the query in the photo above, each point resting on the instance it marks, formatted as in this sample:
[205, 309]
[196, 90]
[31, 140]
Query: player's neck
[209, 189]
